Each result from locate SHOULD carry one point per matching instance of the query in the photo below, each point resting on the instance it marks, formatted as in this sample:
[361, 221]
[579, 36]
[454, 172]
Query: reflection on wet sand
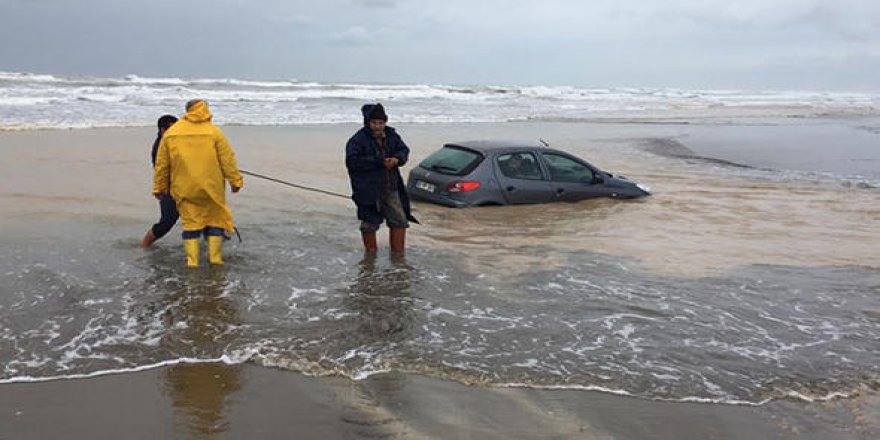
[199, 391]
[383, 298]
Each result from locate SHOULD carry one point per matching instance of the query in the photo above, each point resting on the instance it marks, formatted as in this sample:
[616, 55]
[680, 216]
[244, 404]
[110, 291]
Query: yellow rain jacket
[193, 160]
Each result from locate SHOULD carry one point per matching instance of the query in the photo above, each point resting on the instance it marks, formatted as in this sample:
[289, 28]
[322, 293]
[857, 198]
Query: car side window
[565, 169]
[519, 166]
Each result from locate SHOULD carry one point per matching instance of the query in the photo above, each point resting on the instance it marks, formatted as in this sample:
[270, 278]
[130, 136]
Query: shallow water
[730, 284]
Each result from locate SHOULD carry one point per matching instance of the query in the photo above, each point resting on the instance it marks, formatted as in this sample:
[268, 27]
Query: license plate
[425, 186]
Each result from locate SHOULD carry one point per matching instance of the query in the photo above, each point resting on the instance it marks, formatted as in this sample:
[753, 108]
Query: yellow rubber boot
[215, 249]
[191, 247]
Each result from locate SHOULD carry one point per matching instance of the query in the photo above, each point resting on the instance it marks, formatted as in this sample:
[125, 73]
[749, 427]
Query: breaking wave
[40, 101]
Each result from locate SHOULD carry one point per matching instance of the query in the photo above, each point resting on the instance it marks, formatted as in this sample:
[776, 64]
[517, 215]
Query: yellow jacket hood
[198, 112]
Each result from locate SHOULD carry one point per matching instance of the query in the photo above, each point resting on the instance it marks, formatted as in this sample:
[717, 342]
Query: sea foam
[40, 101]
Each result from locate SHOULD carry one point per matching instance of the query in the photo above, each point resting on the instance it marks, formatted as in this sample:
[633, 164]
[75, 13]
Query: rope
[302, 187]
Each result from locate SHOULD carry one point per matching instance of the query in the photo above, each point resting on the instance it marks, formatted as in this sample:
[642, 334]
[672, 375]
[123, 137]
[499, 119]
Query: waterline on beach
[719, 288]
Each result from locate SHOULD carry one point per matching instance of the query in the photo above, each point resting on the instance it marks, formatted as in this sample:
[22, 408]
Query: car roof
[486, 146]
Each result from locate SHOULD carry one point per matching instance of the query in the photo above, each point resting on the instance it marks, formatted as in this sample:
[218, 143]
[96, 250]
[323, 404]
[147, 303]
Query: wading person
[167, 209]
[373, 156]
[193, 163]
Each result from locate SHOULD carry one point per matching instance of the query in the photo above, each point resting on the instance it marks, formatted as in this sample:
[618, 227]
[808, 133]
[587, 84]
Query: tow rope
[302, 187]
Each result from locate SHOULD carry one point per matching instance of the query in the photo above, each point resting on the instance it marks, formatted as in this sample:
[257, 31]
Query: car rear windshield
[452, 160]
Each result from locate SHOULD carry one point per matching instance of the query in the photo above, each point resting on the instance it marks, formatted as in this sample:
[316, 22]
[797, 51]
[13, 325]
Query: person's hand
[158, 196]
[235, 188]
[391, 162]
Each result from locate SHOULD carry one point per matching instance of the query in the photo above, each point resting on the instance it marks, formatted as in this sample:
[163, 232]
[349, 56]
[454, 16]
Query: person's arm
[228, 164]
[155, 150]
[162, 170]
[399, 150]
[360, 157]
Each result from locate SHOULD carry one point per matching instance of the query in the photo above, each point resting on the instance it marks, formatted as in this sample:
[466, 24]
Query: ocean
[750, 275]
[29, 101]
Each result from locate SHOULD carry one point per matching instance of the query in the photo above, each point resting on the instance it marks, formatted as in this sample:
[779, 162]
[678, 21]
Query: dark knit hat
[166, 121]
[373, 111]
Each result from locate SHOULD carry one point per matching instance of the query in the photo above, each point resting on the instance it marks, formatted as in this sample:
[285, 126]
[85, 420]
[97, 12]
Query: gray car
[480, 173]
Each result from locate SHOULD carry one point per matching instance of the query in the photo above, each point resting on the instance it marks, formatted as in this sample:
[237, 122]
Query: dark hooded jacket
[366, 170]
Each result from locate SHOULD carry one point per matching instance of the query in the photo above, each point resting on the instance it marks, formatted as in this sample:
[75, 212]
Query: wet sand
[220, 401]
[60, 182]
[700, 220]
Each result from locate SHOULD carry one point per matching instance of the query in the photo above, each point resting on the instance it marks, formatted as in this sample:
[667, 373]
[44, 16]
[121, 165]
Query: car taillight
[463, 186]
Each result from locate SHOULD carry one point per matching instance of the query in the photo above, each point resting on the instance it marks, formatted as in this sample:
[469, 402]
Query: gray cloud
[376, 3]
[361, 35]
[681, 43]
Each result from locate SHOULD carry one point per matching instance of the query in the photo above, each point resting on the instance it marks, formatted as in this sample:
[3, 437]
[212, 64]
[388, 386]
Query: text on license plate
[425, 186]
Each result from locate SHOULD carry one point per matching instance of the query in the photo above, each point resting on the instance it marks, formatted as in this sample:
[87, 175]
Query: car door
[525, 182]
[571, 179]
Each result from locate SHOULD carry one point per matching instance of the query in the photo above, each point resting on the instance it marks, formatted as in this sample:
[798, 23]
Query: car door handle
[559, 191]
[510, 188]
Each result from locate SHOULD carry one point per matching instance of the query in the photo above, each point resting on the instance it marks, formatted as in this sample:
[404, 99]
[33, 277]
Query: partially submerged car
[480, 173]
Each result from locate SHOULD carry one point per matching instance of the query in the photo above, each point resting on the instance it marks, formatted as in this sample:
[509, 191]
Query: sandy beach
[221, 401]
[76, 203]
[721, 279]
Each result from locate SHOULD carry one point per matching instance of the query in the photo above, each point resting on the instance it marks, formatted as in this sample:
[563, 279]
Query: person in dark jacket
[373, 157]
[167, 207]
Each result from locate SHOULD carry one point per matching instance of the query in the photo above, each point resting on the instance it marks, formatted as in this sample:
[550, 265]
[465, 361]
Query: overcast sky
[781, 44]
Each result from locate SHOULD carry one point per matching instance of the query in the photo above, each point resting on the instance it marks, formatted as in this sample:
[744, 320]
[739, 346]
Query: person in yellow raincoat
[193, 162]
